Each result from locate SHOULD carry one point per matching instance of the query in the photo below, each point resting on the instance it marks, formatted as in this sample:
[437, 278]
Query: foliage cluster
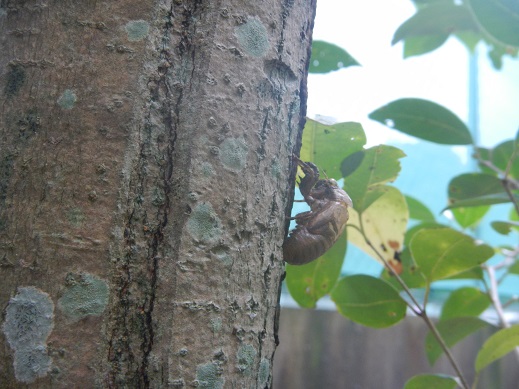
[419, 253]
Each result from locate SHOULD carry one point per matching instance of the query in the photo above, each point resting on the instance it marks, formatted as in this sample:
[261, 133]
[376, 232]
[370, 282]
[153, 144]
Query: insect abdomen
[303, 247]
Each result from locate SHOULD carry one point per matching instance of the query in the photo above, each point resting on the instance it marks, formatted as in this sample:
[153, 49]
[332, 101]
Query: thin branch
[494, 296]
[496, 302]
[506, 181]
[418, 309]
[506, 184]
[445, 348]
[510, 302]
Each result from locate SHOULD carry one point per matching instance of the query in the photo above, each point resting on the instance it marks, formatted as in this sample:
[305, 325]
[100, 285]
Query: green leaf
[437, 20]
[431, 381]
[500, 19]
[385, 222]
[475, 189]
[497, 346]
[352, 162]
[476, 273]
[421, 3]
[413, 230]
[327, 57]
[418, 45]
[452, 331]
[504, 228]
[503, 154]
[469, 216]
[418, 210]
[496, 57]
[466, 301]
[485, 155]
[369, 301]
[327, 145]
[411, 274]
[425, 120]
[514, 269]
[443, 252]
[379, 166]
[308, 283]
[497, 51]
[469, 38]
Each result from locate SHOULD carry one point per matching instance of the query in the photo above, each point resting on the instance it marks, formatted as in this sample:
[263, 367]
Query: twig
[511, 301]
[445, 348]
[506, 181]
[496, 302]
[417, 309]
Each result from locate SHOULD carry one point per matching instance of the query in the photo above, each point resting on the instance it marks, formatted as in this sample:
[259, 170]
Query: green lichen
[86, 295]
[245, 356]
[233, 153]
[207, 169]
[67, 99]
[264, 373]
[178, 383]
[75, 217]
[137, 30]
[203, 224]
[275, 168]
[216, 324]
[209, 376]
[253, 37]
[28, 322]
[14, 80]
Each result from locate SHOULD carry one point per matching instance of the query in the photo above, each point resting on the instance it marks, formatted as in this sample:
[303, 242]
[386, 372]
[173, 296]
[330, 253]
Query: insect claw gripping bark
[316, 230]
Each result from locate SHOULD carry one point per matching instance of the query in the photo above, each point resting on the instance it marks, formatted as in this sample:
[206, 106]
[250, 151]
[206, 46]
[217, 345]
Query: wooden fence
[323, 350]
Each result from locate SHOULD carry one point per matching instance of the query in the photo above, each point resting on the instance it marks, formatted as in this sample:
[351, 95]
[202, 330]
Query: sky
[365, 29]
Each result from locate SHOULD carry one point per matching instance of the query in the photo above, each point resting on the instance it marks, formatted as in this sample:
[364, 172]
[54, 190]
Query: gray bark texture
[145, 179]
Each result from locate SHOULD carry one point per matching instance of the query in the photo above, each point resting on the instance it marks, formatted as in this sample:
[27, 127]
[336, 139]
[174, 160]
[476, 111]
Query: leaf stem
[417, 308]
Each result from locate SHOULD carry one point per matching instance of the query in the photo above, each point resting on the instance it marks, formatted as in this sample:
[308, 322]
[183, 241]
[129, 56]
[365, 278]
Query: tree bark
[145, 179]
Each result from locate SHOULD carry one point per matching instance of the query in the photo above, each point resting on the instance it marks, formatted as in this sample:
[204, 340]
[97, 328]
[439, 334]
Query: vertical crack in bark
[172, 101]
[261, 152]
[170, 125]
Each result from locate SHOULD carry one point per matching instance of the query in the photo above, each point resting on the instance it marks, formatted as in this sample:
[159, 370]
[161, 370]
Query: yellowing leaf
[384, 222]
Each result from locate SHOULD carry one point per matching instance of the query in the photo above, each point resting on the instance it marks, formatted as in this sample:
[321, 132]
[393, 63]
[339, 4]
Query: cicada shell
[317, 230]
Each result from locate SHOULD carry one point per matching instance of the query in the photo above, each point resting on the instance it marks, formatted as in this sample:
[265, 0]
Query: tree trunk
[145, 176]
